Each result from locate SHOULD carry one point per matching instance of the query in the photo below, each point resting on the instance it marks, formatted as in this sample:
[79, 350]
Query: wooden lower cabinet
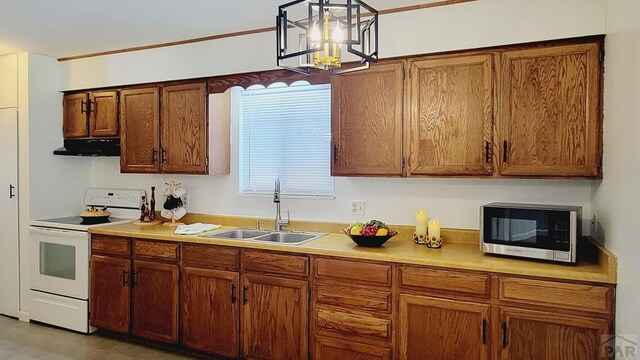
[433, 328]
[110, 293]
[155, 301]
[274, 318]
[209, 307]
[536, 335]
[335, 349]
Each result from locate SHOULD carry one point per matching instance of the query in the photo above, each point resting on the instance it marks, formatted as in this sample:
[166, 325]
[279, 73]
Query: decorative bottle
[143, 208]
[152, 204]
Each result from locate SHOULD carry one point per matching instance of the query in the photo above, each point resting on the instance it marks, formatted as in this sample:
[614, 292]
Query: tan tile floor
[25, 341]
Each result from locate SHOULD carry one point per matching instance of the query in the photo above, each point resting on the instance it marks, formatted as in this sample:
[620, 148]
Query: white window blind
[285, 133]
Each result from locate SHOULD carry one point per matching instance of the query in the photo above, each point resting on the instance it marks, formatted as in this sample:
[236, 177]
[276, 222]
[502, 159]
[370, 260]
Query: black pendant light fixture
[314, 34]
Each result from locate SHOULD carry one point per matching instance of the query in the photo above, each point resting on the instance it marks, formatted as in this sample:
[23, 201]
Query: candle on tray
[421, 222]
[434, 229]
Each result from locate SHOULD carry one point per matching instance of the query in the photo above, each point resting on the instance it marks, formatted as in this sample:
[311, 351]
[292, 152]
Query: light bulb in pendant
[337, 35]
[316, 37]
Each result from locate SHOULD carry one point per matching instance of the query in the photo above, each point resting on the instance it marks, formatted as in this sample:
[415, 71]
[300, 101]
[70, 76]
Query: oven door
[59, 262]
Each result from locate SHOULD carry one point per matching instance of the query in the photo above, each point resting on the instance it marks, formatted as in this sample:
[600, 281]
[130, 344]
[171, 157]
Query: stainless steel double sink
[279, 237]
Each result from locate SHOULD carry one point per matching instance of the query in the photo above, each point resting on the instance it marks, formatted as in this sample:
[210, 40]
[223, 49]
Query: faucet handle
[258, 222]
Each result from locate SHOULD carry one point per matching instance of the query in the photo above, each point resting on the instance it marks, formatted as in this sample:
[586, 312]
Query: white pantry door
[9, 271]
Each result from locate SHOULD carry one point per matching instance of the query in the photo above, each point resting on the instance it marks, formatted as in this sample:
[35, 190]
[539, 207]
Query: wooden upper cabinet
[450, 121]
[110, 293]
[103, 114]
[210, 311]
[74, 119]
[527, 334]
[274, 318]
[366, 124]
[184, 129]
[551, 118]
[155, 301]
[433, 328]
[139, 135]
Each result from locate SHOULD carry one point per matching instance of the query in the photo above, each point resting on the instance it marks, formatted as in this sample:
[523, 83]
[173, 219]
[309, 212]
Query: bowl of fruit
[372, 234]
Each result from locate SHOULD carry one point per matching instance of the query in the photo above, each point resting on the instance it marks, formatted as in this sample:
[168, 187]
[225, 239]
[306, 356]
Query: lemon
[356, 230]
[382, 232]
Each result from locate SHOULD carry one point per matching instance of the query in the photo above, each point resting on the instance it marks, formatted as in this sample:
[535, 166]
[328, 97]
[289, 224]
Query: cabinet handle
[504, 335]
[484, 332]
[83, 107]
[154, 155]
[244, 294]
[125, 276]
[233, 293]
[163, 155]
[487, 156]
[335, 153]
[505, 148]
[91, 104]
[11, 194]
[135, 278]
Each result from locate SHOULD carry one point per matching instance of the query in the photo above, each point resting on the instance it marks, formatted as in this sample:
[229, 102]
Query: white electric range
[59, 252]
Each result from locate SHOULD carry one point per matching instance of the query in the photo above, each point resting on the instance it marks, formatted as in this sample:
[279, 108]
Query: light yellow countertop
[400, 249]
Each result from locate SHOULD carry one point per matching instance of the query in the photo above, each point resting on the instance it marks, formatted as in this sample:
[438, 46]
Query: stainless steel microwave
[546, 232]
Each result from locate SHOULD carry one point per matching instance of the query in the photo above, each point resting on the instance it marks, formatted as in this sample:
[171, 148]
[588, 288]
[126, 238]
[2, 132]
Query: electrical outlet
[185, 200]
[358, 207]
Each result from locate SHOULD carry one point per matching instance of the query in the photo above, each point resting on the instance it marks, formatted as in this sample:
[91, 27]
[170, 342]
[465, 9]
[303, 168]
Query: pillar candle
[434, 229]
[421, 222]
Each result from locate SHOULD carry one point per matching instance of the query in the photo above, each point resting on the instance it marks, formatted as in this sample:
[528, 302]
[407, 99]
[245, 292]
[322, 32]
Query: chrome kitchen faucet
[276, 199]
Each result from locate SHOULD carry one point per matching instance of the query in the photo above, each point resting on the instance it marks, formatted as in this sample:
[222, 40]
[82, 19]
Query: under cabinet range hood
[89, 147]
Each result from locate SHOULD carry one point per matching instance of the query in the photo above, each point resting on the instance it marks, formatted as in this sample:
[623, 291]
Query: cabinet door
[155, 301]
[110, 293]
[451, 116]
[551, 119]
[535, 335]
[184, 129]
[74, 120]
[210, 320]
[335, 349]
[367, 121]
[139, 138]
[442, 329]
[103, 114]
[274, 318]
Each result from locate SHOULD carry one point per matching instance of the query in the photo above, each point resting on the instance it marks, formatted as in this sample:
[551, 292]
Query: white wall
[616, 199]
[454, 201]
[55, 184]
[468, 25]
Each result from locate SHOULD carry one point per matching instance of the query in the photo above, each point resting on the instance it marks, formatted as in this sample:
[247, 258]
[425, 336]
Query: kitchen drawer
[366, 299]
[352, 324]
[110, 245]
[206, 256]
[156, 250]
[275, 263]
[591, 298]
[354, 271]
[327, 348]
[459, 282]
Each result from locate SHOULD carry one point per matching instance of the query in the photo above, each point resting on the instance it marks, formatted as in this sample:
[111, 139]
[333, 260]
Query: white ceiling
[62, 28]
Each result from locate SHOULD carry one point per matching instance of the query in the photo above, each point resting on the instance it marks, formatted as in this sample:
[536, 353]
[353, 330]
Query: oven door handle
[44, 230]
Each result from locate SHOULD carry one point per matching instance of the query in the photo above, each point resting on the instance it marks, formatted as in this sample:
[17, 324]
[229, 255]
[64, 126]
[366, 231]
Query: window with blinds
[285, 133]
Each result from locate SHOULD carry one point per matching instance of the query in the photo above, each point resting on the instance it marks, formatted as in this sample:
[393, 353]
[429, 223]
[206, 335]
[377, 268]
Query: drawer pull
[125, 278]
[244, 294]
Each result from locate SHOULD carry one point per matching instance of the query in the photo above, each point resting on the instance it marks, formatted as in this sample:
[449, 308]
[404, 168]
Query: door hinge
[335, 153]
[206, 161]
[404, 73]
